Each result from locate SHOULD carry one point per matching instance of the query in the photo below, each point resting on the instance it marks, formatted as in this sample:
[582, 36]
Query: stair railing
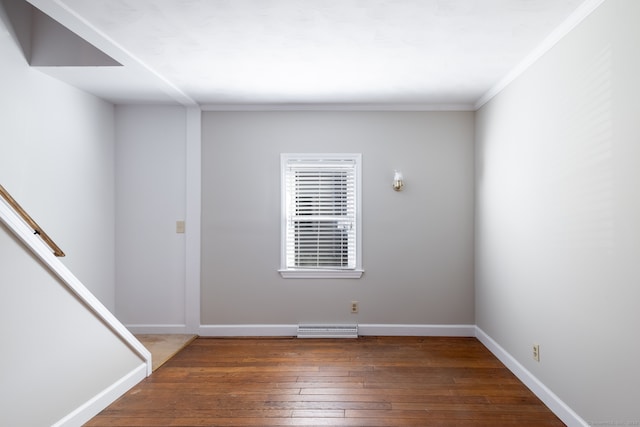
[34, 225]
[13, 216]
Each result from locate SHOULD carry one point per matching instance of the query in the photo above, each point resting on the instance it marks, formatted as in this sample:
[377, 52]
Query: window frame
[321, 273]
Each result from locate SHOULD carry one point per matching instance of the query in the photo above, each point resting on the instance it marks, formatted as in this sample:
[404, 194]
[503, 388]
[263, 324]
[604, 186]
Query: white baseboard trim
[363, 330]
[248, 330]
[557, 406]
[92, 407]
[417, 330]
[158, 329]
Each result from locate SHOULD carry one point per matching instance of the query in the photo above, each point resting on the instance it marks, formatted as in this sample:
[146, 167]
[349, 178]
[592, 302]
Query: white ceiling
[441, 54]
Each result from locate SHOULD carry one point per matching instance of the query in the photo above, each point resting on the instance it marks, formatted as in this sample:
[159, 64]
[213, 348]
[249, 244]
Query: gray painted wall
[417, 244]
[558, 224]
[150, 198]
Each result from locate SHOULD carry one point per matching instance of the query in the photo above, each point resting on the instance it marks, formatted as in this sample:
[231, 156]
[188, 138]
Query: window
[321, 216]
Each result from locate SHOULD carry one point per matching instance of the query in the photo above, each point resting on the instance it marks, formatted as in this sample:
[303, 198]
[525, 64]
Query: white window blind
[320, 210]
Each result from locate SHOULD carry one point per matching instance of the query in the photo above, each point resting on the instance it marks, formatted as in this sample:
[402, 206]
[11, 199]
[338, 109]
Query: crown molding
[336, 107]
[584, 10]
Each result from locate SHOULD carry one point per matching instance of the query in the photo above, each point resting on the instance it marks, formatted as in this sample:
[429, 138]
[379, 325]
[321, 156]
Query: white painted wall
[57, 355]
[56, 159]
[417, 244]
[150, 198]
[558, 217]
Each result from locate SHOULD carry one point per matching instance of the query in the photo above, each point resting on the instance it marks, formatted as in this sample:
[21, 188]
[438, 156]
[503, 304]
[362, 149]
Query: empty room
[363, 212]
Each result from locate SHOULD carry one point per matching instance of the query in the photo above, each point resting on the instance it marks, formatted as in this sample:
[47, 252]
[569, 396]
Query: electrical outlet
[354, 307]
[536, 352]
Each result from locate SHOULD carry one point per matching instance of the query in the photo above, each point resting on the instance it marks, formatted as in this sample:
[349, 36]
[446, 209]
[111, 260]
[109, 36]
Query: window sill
[321, 274]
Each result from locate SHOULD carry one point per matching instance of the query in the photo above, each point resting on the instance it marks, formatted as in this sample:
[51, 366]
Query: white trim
[44, 253]
[557, 406]
[193, 220]
[248, 330]
[106, 397]
[584, 10]
[417, 330]
[285, 330]
[355, 163]
[158, 329]
[321, 274]
[336, 107]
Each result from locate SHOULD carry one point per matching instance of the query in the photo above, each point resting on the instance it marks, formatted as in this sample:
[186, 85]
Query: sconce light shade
[398, 181]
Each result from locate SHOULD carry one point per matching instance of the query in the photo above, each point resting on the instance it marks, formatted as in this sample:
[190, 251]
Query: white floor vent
[327, 331]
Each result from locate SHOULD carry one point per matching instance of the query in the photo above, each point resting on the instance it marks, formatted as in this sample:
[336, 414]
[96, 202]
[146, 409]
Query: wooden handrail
[34, 225]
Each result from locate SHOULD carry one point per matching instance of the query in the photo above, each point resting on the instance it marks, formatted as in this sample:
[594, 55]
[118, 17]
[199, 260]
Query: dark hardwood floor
[370, 381]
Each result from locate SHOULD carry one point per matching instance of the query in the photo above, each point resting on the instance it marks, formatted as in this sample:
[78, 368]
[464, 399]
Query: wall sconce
[398, 181]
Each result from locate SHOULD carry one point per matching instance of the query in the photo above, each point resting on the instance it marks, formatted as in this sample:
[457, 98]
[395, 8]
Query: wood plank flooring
[164, 346]
[369, 381]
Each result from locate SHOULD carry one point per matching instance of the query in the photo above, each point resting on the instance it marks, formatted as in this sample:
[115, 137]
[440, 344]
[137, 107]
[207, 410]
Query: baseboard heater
[327, 331]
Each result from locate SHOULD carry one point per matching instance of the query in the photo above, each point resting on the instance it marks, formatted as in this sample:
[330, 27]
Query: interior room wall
[150, 198]
[417, 244]
[557, 222]
[56, 159]
[52, 343]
